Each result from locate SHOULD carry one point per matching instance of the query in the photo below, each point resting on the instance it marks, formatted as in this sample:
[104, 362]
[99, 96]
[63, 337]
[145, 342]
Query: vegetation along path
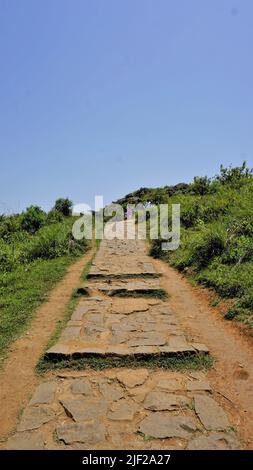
[126, 372]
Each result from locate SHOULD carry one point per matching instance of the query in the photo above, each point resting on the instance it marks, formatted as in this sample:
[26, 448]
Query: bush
[229, 281]
[217, 237]
[9, 225]
[234, 176]
[246, 301]
[207, 245]
[32, 219]
[8, 257]
[200, 185]
[54, 216]
[63, 206]
[238, 250]
[51, 242]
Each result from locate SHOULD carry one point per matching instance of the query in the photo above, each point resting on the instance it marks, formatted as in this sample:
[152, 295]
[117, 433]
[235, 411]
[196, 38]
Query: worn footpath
[125, 315]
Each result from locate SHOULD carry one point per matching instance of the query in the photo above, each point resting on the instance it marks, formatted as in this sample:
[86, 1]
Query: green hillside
[216, 246]
[35, 250]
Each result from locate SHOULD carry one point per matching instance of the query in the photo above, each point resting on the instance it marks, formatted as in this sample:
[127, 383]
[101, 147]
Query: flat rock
[210, 413]
[87, 350]
[122, 411]
[59, 349]
[200, 348]
[178, 342]
[161, 425]
[147, 339]
[82, 409]
[170, 384]
[26, 441]
[130, 306]
[138, 394]
[44, 394]
[34, 417]
[81, 386]
[132, 378]
[79, 312]
[118, 351]
[111, 391]
[71, 332]
[178, 350]
[219, 441]
[143, 350]
[193, 385]
[88, 433]
[159, 401]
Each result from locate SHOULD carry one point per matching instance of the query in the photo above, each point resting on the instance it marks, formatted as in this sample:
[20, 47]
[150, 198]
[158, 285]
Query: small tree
[8, 226]
[64, 206]
[32, 219]
[200, 185]
[234, 175]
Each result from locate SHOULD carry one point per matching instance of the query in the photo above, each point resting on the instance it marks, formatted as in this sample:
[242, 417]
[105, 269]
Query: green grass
[147, 293]
[180, 362]
[216, 247]
[216, 244]
[87, 269]
[22, 291]
[124, 276]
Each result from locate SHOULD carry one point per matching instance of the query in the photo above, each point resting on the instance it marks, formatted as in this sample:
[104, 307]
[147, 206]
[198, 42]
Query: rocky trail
[126, 315]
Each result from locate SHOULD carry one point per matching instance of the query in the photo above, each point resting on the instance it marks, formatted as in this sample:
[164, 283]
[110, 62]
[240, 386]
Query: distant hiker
[129, 213]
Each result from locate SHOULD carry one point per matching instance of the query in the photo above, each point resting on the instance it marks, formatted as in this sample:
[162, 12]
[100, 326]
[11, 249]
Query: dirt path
[232, 374]
[18, 378]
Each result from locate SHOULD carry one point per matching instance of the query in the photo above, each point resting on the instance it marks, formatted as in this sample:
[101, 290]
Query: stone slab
[162, 425]
[210, 413]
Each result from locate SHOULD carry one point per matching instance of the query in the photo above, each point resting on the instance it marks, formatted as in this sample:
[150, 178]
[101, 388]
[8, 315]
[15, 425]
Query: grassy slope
[22, 291]
[27, 283]
[216, 246]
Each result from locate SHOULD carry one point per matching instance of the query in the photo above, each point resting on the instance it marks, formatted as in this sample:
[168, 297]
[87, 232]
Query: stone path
[141, 409]
[123, 327]
[124, 408]
[122, 258]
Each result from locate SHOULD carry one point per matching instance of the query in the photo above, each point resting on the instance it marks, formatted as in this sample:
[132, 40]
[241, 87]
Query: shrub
[238, 250]
[9, 225]
[200, 185]
[63, 206]
[207, 245]
[33, 219]
[246, 301]
[229, 281]
[234, 176]
[217, 236]
[54, 216]
[8, 257]
[51, 242]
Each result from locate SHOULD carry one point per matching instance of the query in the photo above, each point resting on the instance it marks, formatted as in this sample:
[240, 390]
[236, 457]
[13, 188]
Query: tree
[234, 176]
[32, 219]
[64, 206]
[200, 185]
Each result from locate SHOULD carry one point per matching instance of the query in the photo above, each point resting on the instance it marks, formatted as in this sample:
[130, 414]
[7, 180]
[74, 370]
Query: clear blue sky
[105, 96]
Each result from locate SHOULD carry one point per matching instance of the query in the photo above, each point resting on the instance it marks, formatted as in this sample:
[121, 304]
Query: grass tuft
[180, 362]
